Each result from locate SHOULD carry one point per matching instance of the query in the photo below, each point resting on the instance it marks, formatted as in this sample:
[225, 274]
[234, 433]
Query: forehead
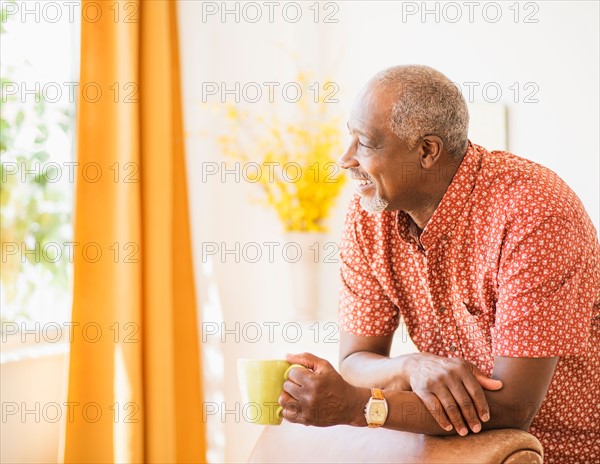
[372, 108]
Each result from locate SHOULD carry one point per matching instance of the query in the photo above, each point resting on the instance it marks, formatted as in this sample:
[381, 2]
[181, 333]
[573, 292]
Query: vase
[302, 253]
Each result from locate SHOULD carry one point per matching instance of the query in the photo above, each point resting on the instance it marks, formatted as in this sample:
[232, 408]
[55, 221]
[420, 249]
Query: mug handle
[279, 412]
[293, 366]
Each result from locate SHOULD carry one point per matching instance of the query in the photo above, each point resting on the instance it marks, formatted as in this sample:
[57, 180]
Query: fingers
[298, 375]
[284, 398]
[467, 407]
[452, 410]
[308, 360]
[469, 396]
[291, 368]
[475, 391]
[445, 410]
[293, 389]
[300, 405]
[454, 387]
[436, 410]
[320, 397]
[485, 381]
[291, 407]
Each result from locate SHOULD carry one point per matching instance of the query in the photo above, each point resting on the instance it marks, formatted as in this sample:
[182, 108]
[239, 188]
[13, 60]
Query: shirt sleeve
[364, 307]
[547, 286]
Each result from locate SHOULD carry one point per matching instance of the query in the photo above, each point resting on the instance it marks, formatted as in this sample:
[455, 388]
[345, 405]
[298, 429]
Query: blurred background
[254, 74]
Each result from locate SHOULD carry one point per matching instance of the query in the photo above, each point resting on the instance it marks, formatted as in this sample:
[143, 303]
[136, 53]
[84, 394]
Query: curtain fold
[134, 381]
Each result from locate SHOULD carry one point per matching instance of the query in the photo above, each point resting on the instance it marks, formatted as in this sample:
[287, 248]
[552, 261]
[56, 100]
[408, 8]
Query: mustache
[357, 174]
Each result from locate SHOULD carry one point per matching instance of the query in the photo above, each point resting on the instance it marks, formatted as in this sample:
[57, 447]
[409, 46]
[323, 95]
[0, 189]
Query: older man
[493, 264]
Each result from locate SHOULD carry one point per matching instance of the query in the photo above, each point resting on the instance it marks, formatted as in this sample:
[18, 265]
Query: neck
[422, 215]
[430, 200]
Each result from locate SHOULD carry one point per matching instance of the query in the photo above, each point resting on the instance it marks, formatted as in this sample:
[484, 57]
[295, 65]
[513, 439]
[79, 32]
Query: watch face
[377, 412]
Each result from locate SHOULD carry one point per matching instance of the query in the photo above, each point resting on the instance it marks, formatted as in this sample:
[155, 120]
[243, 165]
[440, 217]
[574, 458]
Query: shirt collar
[450, 207]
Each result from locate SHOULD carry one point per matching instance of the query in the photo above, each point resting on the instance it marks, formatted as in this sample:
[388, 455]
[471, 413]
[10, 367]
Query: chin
[374, 204]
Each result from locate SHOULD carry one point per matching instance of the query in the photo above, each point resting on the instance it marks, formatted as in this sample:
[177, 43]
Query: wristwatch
[376, 409]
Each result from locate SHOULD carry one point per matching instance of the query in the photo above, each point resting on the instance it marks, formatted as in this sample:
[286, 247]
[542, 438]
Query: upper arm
[525, 384]
[367, 315]
[547, 281]
[543, 312]
[365, 308]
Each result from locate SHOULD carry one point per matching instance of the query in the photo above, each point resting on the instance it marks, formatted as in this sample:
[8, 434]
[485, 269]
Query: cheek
[393, 185]
[390, 178]
[403, 176]
[389, 187]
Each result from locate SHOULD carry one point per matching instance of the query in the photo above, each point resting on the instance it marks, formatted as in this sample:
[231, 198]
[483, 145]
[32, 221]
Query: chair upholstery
[292, 443]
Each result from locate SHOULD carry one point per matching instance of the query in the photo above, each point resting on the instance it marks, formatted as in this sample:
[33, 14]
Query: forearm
[365, 369]
[406, 412]
[319, 395]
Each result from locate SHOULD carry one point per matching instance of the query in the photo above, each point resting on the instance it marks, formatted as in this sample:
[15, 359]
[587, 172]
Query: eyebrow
[356, 130]
[373, 136]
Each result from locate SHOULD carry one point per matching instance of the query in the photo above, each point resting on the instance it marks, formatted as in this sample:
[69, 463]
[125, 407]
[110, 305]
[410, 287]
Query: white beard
[374, 204]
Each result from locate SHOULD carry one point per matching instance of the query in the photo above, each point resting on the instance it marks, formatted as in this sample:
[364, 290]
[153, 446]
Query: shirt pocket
[476, 302]
[471, 310]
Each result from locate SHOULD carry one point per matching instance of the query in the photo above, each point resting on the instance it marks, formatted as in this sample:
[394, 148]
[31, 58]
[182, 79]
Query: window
[39, 68]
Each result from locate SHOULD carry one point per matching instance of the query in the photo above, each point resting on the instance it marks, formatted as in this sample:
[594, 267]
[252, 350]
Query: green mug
[261, 383]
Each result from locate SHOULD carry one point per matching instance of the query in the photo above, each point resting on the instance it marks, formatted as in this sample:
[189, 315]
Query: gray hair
[427, 103]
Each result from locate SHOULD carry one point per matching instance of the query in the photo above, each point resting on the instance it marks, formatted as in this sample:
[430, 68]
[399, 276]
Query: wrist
[406, 364]
[361, 398]
[402, 366]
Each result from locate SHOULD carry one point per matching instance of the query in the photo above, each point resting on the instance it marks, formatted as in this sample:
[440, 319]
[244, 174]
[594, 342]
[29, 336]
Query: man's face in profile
[386, 172]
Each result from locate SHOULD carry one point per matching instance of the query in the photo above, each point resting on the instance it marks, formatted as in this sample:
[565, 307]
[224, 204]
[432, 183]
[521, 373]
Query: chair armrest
[292, 443]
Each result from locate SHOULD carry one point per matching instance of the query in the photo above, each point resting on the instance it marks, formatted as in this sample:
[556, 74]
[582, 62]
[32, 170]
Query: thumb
[485, 381]
[308, 360]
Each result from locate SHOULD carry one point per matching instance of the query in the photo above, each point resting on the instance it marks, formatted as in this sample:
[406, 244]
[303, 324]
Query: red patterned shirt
[508, 265]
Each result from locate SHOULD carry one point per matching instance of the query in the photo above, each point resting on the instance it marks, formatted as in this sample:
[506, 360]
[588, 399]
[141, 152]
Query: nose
[348, 160]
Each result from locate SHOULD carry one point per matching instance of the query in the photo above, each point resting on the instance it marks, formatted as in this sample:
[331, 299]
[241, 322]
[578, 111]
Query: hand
[318, 395]
[452, 390]
[399, 381]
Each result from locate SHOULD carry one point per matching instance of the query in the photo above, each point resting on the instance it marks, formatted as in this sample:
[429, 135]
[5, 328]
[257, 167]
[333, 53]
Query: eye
[362, 144]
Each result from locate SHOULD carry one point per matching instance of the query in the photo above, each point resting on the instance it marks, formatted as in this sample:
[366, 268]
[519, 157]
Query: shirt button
[452, 348]
[442, 310]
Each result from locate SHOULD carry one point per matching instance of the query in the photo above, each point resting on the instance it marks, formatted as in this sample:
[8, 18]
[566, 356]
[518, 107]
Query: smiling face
[385, 169]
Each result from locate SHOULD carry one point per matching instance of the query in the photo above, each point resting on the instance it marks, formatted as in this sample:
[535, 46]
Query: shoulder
[525, 191]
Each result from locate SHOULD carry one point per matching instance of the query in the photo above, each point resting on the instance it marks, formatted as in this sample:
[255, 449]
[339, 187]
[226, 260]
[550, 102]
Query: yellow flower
[298, 174]
[232, 113]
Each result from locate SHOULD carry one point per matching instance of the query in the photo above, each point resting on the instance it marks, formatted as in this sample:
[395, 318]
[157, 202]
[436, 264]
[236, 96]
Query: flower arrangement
[294, 161]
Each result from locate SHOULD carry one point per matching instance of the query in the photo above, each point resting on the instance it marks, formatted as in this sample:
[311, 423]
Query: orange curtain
[134, 379]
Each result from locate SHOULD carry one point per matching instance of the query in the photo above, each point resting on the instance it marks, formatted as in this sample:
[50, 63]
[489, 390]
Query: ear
[430, 151]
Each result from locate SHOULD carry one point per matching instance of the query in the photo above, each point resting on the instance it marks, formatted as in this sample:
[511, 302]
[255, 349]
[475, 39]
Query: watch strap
[377, 393]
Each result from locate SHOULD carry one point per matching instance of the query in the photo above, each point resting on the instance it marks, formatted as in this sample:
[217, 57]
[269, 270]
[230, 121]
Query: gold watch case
[376, 409]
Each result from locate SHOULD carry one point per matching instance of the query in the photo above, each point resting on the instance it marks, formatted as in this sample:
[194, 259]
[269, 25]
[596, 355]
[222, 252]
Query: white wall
[34, 412]
[558, 55]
